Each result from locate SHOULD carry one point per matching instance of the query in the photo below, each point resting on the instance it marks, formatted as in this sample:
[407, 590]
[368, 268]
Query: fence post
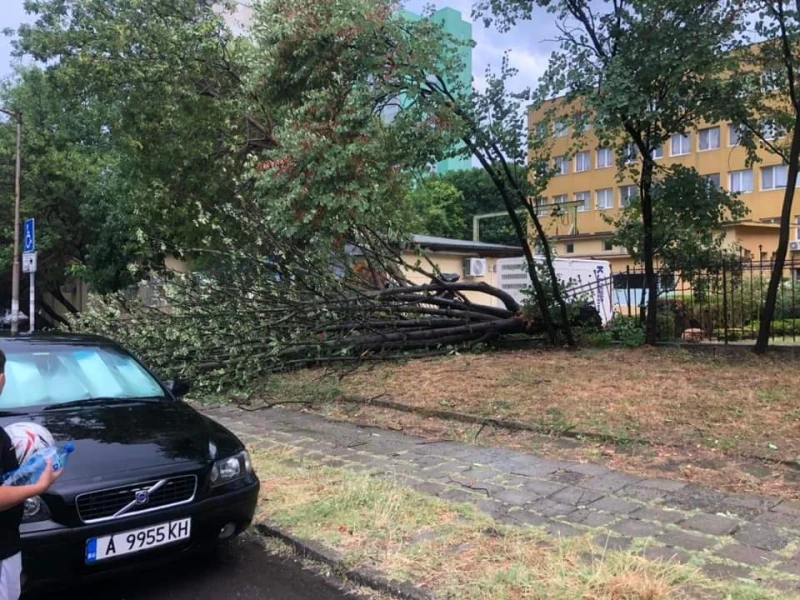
[725, 301]
[628, 288]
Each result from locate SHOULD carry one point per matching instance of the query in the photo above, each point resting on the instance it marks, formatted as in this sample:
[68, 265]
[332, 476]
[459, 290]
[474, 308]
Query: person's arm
[11, 496]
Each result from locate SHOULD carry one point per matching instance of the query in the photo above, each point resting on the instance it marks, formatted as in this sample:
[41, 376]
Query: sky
[528, 43]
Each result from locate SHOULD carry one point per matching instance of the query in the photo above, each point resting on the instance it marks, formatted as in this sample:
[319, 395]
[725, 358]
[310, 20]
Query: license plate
[137, 540]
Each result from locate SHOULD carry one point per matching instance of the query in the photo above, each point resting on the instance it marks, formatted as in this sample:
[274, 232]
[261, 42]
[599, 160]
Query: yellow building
[588, 188]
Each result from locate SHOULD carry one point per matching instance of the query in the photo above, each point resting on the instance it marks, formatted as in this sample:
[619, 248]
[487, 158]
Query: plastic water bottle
[30, 472]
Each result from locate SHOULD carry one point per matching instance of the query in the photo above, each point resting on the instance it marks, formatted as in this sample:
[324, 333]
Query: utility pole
[17, 116]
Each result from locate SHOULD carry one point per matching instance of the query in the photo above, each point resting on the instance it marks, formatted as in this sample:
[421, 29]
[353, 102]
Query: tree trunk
[651, 281]
[765, 327]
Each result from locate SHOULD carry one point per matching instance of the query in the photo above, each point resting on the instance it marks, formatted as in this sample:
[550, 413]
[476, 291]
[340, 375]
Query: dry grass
[457, 552]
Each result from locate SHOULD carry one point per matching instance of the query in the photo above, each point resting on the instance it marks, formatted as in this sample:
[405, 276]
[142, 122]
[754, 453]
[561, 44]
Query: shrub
[627, 330]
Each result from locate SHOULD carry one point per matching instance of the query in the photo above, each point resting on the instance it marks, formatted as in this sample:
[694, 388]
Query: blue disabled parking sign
[30, 235]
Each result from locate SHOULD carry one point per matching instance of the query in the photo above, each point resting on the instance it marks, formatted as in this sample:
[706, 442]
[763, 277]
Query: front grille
[105, 504]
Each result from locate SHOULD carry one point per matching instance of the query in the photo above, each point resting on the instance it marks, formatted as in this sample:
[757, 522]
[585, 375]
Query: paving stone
[588, 469]
[694, 497]
[711, 524]
[748, 555]
[576, 496]
[614, 505]
[666, 485]
[562, 530]
[644, 494]
[513, 497]
[479, 474]
[590, 518]
[791, 566]
[491, 508]
[649, 513]
[526, 517]
[763, 537]
[611, 482]
[778, 519]
[568, 477]
[725, 571]
[613, 543]
[548, 508]
[431, 487]
[542, 488]
[687, 541]
[535, 468]
[458, 495]
[479, 487]
[788, 507]
[667, 555]
[634, 528]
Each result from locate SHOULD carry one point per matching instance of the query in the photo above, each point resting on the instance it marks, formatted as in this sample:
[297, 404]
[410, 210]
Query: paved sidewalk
[727, 536]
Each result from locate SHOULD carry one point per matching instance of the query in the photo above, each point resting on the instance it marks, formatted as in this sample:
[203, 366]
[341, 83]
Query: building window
[742, 181]
[582, 122]
[560, 201]
[714, 180]
[561, 165]
[772, 131]
[681, 144]
[570, 248]
[560, 128]
[771, 81]
[734, 135]
[605, 199]
[627, 193]
[631, 153]
[658, 152]
[607, 245]
[540, 130]
[773, 178]
[541, 207]
[582, 162]
[708, 139]
[605, 158]
[583, 201]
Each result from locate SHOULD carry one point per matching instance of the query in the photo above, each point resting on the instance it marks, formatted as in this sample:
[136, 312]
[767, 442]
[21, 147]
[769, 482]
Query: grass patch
[666, 396]
[457, 552]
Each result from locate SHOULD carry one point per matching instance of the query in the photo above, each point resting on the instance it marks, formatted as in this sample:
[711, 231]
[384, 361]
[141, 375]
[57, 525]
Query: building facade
[588, 188]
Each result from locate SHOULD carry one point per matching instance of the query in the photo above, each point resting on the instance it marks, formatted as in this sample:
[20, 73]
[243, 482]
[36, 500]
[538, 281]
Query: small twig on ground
[470, 487]
[273, 404]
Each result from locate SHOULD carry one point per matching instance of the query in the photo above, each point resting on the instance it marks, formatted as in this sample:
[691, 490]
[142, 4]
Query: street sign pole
[29, 262]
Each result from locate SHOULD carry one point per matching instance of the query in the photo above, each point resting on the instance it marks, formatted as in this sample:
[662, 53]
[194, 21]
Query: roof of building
[440, 243]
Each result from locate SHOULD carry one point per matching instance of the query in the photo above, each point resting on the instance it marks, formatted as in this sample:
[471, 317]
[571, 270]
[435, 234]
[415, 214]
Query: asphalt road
[243, 571]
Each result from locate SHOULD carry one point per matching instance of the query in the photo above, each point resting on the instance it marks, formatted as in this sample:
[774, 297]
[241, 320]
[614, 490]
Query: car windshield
[60, 374]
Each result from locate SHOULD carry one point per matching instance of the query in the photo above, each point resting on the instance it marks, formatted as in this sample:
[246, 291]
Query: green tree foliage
[689, 212]
[764, 101]
[480, 198]
[642, 70]
[438, 207]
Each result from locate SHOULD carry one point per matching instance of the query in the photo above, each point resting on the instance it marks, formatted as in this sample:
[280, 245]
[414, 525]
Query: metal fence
[721, 306]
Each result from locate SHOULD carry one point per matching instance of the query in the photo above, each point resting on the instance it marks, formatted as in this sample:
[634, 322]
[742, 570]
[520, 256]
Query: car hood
[112, 439]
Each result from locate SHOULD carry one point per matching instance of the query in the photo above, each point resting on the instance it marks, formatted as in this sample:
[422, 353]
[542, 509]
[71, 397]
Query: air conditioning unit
[475, 267]
[794, 246]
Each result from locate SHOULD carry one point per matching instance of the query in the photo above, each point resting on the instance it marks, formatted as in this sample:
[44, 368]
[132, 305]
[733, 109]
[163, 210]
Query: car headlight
[35, 510]
[230, 469]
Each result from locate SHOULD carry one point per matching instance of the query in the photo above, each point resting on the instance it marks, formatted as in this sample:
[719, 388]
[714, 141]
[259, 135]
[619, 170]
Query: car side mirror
[178, 387]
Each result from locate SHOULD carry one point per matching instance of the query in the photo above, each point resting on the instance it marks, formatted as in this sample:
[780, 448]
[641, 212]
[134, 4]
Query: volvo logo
[142, 497]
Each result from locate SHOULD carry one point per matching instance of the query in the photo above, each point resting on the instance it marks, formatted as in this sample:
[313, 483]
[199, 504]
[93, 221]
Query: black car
[150, 478]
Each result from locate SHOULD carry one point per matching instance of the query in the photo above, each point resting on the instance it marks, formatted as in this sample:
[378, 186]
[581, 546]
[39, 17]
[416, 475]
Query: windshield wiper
[110, 401]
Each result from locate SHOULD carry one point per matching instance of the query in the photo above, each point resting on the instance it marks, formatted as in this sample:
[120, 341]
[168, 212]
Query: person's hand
[48, 478]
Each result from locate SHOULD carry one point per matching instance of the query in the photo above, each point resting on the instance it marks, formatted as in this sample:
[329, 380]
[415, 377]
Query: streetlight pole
[17, 116]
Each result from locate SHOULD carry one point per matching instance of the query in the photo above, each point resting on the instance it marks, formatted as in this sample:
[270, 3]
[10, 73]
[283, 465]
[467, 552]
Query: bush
[627, 330]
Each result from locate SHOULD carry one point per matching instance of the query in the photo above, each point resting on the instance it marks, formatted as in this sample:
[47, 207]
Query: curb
[361, 576]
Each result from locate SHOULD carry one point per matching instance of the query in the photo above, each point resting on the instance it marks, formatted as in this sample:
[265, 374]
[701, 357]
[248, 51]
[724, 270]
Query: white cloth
[10, 577]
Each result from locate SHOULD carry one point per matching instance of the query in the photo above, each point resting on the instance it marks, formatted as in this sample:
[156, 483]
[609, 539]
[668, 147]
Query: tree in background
[689, 212]
[643, 70]
[480, 198]
[438, 207]
[764, 101]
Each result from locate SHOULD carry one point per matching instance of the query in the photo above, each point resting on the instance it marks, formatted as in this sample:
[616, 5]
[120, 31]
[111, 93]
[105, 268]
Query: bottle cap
[70, 447]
